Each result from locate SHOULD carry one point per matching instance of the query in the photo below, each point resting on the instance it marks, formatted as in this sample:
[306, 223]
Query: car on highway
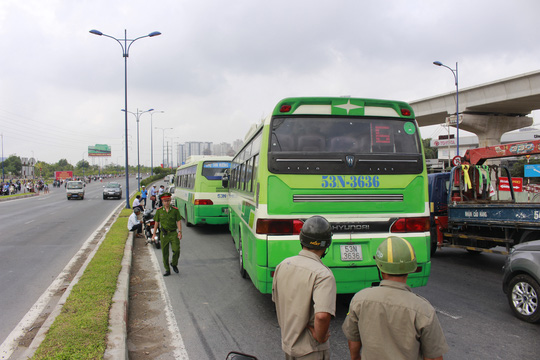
[521, 280]
[112, 190]
[75, 190]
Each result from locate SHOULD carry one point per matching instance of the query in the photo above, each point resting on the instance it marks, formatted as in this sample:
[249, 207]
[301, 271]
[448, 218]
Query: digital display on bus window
[337, 135]
[214, 170]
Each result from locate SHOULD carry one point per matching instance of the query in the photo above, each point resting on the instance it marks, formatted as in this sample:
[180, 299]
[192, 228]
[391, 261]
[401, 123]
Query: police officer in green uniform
[304, 290]
[390, 321]
[168, 217]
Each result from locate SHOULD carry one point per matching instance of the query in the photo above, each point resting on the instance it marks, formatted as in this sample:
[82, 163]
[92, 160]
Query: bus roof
[343, 106]
[194, 159]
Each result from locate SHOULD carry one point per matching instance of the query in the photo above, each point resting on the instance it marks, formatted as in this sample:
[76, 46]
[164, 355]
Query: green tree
[63, 165]
[431, 153]
[13, 165]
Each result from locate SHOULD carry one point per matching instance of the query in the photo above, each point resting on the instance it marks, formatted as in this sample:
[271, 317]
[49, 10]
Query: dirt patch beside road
[147, 334]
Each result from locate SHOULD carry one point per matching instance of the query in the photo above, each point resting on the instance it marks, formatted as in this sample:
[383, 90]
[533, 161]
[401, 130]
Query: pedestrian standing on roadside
[144, 194]
[153, 196]
[304, 290]
[160, 192]
[168, 219]
[390, 321]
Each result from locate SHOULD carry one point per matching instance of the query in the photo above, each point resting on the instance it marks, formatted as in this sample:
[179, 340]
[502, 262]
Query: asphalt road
[217, 311]
[39, 236]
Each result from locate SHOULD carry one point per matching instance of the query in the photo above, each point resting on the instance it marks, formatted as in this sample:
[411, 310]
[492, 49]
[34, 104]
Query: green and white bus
[357, 162]
[199, 193]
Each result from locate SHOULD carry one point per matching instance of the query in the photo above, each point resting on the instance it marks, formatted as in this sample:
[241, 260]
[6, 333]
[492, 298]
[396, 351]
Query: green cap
[396, 256]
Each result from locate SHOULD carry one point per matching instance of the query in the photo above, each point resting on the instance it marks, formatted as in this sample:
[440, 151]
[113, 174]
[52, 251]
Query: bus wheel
[243, 272]
[188, 224]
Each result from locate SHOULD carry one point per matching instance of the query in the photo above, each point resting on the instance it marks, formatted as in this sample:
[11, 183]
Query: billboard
[63, 175]
[99, 150]
[517, 183]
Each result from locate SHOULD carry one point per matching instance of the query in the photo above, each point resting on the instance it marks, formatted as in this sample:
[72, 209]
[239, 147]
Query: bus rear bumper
[350, 280]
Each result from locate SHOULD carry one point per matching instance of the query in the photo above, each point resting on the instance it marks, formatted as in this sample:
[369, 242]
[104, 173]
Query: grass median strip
[80, 330]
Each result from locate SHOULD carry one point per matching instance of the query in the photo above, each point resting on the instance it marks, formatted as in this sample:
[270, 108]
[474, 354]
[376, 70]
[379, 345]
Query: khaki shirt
[168, 220]
[392, 322]
[302, 286]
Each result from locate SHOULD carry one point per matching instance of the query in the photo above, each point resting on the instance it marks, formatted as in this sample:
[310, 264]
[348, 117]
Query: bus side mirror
[225, 181]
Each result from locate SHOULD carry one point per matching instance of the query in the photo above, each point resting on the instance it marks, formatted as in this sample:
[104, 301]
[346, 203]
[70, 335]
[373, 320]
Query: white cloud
[220, 66]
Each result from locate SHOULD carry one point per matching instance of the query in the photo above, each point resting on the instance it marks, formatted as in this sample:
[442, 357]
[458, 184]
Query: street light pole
[137, 116]
[125, 53]
[455, 73]
[163, 142]
[152, 142]
[3, 177]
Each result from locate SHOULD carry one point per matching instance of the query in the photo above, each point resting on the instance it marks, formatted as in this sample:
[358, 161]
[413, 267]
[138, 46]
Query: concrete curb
[118, 315]
[18, 197]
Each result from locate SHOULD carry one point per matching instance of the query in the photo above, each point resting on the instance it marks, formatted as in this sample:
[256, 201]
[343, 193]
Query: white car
[75, 190]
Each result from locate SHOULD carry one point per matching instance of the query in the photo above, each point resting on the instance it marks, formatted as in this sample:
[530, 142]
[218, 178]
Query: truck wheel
[523, 292]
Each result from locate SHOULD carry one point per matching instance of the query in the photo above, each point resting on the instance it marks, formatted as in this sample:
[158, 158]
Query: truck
[470, 210]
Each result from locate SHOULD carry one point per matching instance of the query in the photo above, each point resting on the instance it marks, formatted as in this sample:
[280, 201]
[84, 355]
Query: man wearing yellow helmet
[390, 321]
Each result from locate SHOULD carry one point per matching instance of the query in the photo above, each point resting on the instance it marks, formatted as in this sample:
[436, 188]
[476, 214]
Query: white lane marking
[180, 351]
[11, 342]
[455, 317]
[28, 222]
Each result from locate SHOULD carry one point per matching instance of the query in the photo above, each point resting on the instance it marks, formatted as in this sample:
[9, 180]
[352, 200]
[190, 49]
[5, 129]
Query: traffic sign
[456, 161]
[532, 170]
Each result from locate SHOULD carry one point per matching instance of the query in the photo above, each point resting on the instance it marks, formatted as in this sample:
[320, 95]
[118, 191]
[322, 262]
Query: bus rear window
[338, 135]
[339, 145]
[214, 170]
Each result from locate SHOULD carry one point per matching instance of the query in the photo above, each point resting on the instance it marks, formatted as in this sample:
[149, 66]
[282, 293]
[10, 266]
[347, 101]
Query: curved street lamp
[455, 73]
[137, 116]
[125, 44]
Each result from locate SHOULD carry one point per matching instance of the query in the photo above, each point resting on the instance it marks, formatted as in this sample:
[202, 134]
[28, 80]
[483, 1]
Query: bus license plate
[225, 211]
[351, 252]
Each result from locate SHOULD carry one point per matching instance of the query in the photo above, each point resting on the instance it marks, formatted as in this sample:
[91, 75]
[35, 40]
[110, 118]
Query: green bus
[199, 193]
[357, 162]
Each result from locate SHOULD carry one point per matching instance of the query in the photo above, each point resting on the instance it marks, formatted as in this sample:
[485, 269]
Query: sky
[221, 66]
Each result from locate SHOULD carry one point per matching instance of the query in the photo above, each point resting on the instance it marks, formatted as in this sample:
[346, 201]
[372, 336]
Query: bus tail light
[279, 226]
[203, 202]
[405, 112]
[402, 225]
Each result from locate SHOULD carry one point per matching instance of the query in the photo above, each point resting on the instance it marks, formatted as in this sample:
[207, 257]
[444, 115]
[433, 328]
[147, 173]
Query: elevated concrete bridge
[488, 110]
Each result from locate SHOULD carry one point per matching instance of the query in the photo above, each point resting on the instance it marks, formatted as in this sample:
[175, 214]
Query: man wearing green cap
[168, 217]
[390, 321]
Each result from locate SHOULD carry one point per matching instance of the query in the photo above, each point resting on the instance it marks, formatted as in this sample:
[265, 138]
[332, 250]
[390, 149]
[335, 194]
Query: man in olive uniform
[168, 217]
[390, 321]
[304, 291]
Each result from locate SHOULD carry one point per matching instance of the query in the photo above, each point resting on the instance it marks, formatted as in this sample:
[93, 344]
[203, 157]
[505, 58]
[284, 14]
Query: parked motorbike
[149, 222]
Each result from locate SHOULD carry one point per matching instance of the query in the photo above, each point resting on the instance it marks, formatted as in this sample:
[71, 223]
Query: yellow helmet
[396, 256]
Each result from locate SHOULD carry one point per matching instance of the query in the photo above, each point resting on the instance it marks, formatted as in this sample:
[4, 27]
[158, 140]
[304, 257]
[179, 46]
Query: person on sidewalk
[304, 290]
[168, 218]
[134, 224]
[144, 194]
[390, 321]
[153, 196]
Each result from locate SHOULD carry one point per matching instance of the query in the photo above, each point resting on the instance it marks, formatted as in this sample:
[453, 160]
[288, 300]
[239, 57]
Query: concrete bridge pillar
[490, 128]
